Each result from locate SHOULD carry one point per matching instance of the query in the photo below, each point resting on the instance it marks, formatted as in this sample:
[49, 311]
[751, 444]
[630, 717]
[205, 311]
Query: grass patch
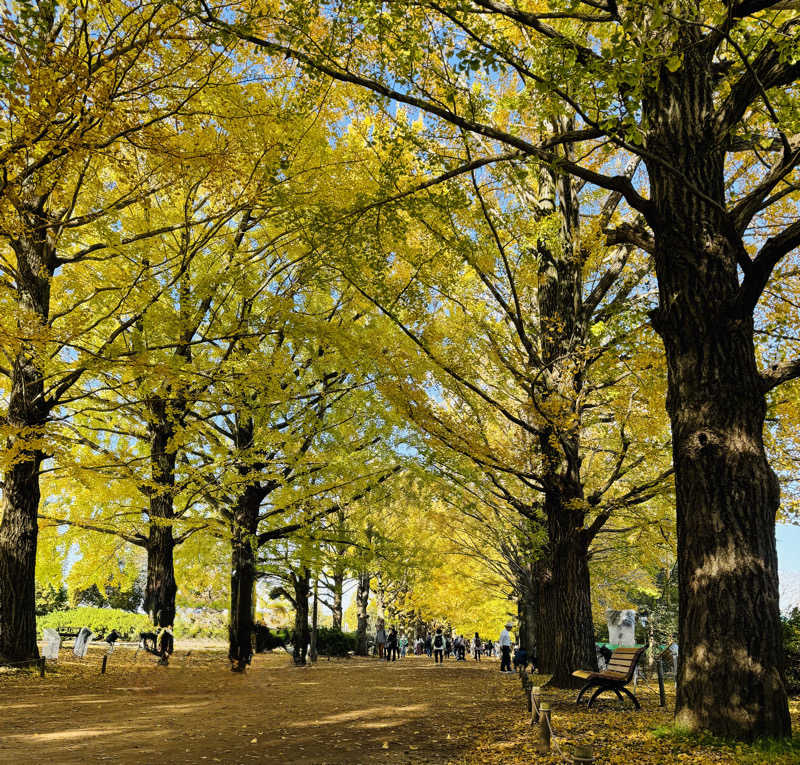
[785, 751]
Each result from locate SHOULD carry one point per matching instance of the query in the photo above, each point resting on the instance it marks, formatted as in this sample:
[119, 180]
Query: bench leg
[631, 697]
[582, 691]
[599, 690]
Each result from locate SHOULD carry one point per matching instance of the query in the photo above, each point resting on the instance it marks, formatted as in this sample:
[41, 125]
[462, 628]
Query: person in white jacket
[505, 649]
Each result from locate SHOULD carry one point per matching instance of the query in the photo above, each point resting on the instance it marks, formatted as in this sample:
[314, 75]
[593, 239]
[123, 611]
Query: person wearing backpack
[438, 646]
[477, 646]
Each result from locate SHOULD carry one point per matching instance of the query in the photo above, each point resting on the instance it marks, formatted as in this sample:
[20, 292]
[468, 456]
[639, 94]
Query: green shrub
[99, 620]
[49, 599]
[332, 642]
[201, 623]
[791, 649]
[270, 639]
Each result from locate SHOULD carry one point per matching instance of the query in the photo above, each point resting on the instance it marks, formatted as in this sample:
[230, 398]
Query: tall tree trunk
[380, 599]
[314, 619]
[244, 527]
[302, 587]
[161, 588]
[563, 610]
[338, 589]
[25, 420]
[526, 610]
[562, 601]
[730, 670]
[362, 601]
[18, 532]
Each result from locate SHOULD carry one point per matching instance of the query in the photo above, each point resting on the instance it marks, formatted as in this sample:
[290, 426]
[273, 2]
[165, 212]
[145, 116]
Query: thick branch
[780, 373]
[136, 539]
[760, 269]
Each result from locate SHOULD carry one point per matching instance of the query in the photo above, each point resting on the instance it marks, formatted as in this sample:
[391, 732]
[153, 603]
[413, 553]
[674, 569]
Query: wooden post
[662, 699]
[41, 666]
[582, 754]
[542, 746]
[536, 700]
[526, 688]
[103, 668]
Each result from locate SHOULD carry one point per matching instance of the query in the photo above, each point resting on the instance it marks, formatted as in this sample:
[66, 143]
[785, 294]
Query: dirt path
[196, 711]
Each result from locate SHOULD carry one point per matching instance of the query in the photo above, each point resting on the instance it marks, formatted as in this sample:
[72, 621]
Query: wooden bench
[614, 677]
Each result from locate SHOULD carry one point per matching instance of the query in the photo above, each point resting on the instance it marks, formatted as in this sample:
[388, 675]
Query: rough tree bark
[561, 606]
[730, 669]
[527, 617]
[161, 587]
[380, 599]
[338, 590]
[563, 601]
[27, 414]
[244, 528]
[18, 534]
[301, 583]
[312, 651]
[362, 601]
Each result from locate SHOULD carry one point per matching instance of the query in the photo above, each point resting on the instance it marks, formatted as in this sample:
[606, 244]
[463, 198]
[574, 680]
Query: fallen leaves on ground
[349, 711]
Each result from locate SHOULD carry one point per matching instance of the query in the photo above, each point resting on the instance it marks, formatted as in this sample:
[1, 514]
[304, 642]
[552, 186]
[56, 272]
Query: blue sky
[788, 538]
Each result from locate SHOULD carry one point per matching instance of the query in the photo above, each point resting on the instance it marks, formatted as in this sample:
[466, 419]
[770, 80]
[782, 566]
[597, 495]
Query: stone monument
[52, 642]
[621, 626]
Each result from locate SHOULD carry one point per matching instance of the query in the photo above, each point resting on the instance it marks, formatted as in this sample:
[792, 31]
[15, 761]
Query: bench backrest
[624, 661]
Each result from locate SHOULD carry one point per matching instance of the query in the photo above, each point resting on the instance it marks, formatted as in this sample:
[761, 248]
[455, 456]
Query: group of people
[389, 645]
[442, 646]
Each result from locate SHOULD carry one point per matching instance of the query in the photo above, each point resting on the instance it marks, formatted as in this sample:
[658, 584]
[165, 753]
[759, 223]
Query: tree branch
[760, 269]
[336, 71]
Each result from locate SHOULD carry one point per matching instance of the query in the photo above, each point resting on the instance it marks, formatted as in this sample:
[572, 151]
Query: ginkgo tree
[81, 93]
[701, 93]
[520, 347]
[133, 423]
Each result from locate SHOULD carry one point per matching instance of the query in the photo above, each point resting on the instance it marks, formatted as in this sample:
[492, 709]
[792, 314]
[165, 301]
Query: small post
[582, 754]
[103, 668]
[41, 666]
[662, 699]
[526, 688]
[542, 746]
[536, 700]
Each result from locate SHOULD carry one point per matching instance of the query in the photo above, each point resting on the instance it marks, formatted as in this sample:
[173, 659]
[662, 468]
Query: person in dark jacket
[391, 644]
[477, 646]
[438, 646]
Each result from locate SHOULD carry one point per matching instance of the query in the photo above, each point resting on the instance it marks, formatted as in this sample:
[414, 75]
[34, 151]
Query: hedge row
[331, 642]
[99, 620]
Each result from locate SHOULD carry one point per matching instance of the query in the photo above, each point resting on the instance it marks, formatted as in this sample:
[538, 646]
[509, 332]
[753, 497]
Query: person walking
[438, 646]
[391, 644]
[403, 644]
[477, 644]
[380, 638]
[505, 649]
[428, 644]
